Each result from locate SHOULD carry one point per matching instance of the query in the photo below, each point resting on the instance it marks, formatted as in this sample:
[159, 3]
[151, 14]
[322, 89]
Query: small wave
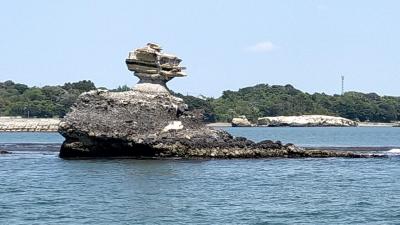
[394, 151]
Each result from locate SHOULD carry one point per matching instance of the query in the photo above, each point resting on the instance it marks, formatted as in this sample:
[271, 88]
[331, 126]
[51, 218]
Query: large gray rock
[140, 124]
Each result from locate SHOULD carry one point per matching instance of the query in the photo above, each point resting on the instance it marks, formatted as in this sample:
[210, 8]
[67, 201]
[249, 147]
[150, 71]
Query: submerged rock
[306, 121]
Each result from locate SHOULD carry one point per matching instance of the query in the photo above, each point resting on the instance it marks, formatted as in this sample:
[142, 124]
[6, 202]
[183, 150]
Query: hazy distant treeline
[276, 100]
[258, 101]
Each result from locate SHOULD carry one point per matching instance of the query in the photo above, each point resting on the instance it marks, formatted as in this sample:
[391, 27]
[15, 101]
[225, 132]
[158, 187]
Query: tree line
[277, 100]
[49, 101]
[254, 102]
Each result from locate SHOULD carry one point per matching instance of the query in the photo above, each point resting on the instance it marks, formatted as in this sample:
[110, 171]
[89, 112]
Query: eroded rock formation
[149, 122]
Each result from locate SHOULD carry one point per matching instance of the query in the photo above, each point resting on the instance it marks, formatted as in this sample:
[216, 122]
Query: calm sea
[324, 136]
[36, 187]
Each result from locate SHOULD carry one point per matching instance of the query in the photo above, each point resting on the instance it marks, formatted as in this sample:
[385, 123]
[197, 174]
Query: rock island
[149, 122]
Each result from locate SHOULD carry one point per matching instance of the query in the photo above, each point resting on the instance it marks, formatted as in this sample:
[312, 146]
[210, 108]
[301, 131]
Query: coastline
[306, 152]
[19, 124]
[360, 124]
[372, 124]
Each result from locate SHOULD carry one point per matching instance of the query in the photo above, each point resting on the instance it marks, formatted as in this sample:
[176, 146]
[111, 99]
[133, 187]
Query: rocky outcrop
[306, 121]
[241, 121]
[139, 124]
[4, 152]
[150, 122]
[17, 124]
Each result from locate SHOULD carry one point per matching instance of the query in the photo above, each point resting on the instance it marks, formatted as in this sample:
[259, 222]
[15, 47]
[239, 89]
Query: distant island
[262, 100]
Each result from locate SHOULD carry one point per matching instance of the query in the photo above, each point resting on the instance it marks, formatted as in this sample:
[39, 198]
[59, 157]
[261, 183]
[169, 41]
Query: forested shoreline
[257, 101]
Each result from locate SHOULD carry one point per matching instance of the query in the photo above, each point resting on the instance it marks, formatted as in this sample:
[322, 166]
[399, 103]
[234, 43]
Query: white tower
[342, 85]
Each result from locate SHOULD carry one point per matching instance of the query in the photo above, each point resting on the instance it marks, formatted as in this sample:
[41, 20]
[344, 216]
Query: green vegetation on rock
[253, 102]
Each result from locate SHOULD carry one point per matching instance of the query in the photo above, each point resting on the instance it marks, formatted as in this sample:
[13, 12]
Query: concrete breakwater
[18, 124]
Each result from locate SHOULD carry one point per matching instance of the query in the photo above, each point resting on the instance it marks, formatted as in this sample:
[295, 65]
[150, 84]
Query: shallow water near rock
[324, 136]
[40, 188]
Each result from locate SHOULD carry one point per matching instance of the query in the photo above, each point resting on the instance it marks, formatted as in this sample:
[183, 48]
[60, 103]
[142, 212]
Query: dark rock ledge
[2, 151]
[156, 125]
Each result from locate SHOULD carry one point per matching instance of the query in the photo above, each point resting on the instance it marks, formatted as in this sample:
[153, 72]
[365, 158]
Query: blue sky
[224, 44]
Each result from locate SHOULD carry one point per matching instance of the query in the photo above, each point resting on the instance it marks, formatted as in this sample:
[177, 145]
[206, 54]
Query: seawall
[18, 124]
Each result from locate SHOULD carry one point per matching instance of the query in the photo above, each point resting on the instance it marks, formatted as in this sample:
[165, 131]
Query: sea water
[37, 187]
[324, 136]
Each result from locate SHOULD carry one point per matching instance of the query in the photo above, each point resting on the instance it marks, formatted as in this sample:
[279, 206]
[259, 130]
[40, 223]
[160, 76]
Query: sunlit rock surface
[306, 121]
[241, 121]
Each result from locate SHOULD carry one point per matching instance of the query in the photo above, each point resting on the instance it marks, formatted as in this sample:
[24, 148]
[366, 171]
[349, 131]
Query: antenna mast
[342, 84]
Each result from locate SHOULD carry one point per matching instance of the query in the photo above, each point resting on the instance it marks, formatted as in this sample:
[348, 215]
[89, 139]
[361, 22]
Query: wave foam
[394, 151]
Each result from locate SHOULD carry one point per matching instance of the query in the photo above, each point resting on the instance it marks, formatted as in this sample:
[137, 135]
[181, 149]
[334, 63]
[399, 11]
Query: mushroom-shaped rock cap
[151, 65]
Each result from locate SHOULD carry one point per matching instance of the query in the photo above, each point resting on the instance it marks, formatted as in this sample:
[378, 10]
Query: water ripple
[48, 190]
